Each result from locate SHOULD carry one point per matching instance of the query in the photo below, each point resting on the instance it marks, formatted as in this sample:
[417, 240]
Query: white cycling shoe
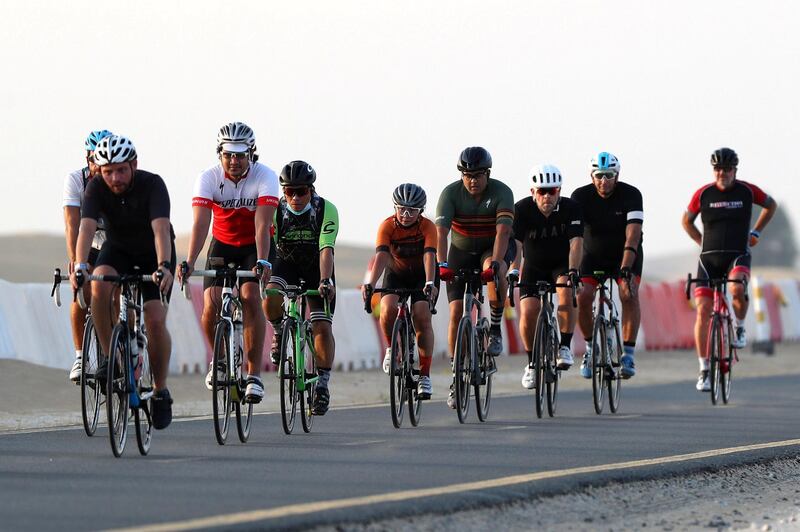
[387, 360]
[529, 378]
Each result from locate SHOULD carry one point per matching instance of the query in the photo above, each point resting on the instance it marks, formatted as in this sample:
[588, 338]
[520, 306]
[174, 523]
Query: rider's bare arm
[691, 229]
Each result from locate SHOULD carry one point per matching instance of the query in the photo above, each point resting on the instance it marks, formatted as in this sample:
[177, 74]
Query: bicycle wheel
[286, 374]
[397, 371]
[117, 387]
[244, 411]
[714, 353]
[307, 397]
[90, 388]
[414, 402]
[483, 377]
[613, 376]
[539, 350]
[143, 376]
[551, 371]
[220, 387]
[726, 365]
[463, 366]
[598, 361]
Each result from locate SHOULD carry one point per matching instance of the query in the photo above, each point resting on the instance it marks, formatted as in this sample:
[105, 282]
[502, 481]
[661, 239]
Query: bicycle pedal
[491, 371]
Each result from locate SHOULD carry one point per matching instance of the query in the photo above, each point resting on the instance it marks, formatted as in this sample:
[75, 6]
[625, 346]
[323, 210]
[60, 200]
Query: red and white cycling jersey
[234, 204]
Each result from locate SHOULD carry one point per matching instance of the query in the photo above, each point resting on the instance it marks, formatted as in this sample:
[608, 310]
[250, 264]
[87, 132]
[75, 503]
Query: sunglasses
[474, 175]
[547, 191]
[724, 168]
[407, 211]
[604, 175]
[228, 155]
[295, 192]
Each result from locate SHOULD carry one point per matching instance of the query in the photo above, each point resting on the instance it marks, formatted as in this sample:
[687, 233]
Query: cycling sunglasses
[228, 155]
[604, 175]
[295, 192]
[407, 211]
[547, 191]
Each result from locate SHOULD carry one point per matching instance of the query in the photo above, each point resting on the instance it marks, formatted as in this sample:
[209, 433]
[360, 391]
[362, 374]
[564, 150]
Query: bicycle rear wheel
[463, 367]
[714, 351]
[143, 420]
[310, 371]
[286, 373]
[90, 387]
[397, 371]
[726, 365]
[598, 361]
[483, 377]
[613, 376]
[117, 388]
[552, 372]
[220, 387]
[539, 350]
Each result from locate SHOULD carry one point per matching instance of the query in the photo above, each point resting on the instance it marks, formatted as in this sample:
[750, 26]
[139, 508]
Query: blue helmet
[95, 137]
[604, 162]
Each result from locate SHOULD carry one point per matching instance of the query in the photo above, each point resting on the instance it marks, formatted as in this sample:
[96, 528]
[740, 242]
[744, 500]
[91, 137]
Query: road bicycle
[720, 352]
[546, 343]
[473, 367]
[92, 397]
[404, 368]
[297, 370]
[228, 384]
[606, 359]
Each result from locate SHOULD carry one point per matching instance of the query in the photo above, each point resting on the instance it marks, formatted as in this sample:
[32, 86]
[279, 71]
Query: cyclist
[480, 211]
[549, 232]
[240, 195]
[74, 187]
[306, 226]
[406, 249]
[135, 206]
[613, 217]
[725, 207]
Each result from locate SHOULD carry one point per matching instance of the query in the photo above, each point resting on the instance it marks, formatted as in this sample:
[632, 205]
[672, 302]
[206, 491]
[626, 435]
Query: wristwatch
[167, 265]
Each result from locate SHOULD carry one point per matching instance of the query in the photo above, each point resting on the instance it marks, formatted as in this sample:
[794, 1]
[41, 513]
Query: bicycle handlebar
[55, 293]
[720, 281]
[217, 274]
[540, 285]
[116, 279]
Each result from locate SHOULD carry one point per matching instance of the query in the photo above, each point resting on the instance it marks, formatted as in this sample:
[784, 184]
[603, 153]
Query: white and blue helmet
[95, 137]
[604, 162]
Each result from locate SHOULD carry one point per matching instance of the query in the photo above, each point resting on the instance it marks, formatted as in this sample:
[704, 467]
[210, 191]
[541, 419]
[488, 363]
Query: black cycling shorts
[594, 263]
[244, 258]
[532, 275]
[123, 262]
[718, 265]
[285, 273]
[396, 281]
[458, 259]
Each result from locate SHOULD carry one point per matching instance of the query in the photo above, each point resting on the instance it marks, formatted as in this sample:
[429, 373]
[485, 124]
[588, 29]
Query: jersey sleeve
[634, 208]
[91, 200]
[384, 239]
[505, 205]
[203, 195]
[159, 199]
[268, 189]
[445, 209]
[73, 184]
[575, 221]
[330, 226]
[694, 204]
[759, 196]
[431, 237]
[518, 227]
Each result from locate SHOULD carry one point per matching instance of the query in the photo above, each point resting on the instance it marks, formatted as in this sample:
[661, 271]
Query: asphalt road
[362, 467]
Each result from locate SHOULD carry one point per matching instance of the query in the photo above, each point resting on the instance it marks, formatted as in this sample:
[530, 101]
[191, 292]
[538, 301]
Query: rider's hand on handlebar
[625, 273]
[77, 275]
[574, 277]
[430, 291]
[366, 291]
[513, 276]
[262, 270]
[163, 278]
[185, 270]
[327, 289]
[445, 273]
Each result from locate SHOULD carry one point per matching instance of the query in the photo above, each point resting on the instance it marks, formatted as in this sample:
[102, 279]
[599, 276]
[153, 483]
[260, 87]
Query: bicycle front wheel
[90, 387]
[726, 365]
[143, 375]
[483, 377]
[714, 351]
[539, 354]
[397, 371]
[310, 371]
[244, 410]
[598, 360]
[613, 376]
[463, 366]
[286, 374]
[117, 388]
[220, 387]
[551, 372]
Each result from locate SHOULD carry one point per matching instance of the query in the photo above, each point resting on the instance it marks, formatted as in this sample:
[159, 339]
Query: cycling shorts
[286, 273]
[532, 275]
[123, 262]
[458, 259]
[717, 265]
[593, 263]
[396, 281]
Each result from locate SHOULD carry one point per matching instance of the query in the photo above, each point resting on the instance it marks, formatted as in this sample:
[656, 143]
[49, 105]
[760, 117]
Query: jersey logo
[329, 227]
[488, 201]
[221, 186]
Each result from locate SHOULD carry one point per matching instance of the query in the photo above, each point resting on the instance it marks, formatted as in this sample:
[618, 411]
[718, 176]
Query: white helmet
[545, 176]
[604, 162]
[236, 137]
[114, 149]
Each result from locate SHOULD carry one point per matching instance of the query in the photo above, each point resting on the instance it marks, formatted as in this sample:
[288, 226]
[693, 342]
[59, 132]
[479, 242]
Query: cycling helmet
[114, 149]
[409, 195]
[95, 137]
[724, 157]
[604, 162]
[545, 176]
[298, 174]
[474, 159]
[236, 137]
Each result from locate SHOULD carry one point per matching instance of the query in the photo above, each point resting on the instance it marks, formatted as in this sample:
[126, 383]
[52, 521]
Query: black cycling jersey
[545, 239]
[128, 215]
[606, 219]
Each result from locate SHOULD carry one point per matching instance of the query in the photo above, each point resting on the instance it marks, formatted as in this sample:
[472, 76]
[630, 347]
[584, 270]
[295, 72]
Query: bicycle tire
[287, 376]
[220, 390]
[614, 377]
[463, 367]
[117, 388]
[309, 371]
[397, 371]
[539, 346]
[143, 419]
[552, 372]
[244, 410]
[714, 353]
[726, 378]
[598, 361]
[483, 379]
[90, 387]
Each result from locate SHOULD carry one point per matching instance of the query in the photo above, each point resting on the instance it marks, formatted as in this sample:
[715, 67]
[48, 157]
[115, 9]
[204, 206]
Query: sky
[374, 94]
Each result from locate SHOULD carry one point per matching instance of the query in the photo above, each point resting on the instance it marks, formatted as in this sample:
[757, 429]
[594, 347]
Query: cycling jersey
[234, 203]
[726, 215]
[407, 245]
[605, 221]
[299, 238]
[74, 189]
[474, 223]
[545, 239]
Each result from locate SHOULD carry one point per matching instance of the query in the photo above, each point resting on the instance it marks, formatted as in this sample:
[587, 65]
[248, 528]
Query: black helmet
[409, 195]
[297, 174]
[725, 157]
[474, 159]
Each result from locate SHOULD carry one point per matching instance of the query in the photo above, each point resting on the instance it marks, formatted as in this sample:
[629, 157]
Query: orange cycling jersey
[407, 245]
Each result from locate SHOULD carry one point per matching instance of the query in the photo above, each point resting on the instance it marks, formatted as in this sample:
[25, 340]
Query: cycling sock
[497, 316]
[566, 339]
[530, 356]
[739, 323]
[324, 376]
[629, 348]
[703, 363]
[425, 366]
[79, 353]
[276, 328]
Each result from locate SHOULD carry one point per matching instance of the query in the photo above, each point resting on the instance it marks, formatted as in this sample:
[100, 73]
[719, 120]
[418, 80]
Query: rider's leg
[585, 300]
[388, 315]
[102, 315]
[529, 311]
[737, 291]
[497, 298]
[421, 315]
[159, 342]
[254, 327]
[631, 317]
